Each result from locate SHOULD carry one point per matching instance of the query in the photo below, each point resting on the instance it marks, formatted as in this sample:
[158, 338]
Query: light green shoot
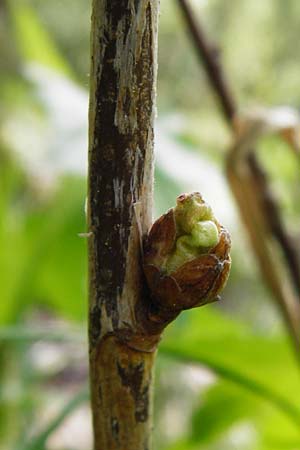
[204, 234]
[190, 210]
[196, 228]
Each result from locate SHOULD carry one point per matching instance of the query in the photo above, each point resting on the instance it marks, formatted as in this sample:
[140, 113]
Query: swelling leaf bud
[186, 255]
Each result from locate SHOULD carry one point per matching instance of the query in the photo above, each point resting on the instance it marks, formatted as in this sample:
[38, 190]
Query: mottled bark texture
[122, 97]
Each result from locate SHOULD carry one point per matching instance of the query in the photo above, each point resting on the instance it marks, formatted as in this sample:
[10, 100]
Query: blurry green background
[226, 377]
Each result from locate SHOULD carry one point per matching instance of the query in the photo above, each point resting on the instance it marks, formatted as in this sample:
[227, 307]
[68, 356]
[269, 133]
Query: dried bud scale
[186, 255]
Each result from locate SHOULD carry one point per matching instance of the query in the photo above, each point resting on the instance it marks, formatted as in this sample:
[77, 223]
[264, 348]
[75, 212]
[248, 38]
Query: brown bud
[182, 279]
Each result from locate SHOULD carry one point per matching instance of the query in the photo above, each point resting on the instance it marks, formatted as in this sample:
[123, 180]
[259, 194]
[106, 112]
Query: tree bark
[120, 182]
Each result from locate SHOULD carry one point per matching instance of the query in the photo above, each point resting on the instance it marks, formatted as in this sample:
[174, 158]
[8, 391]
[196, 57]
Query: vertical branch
[275, 221]
[209, 57]
[122, 95]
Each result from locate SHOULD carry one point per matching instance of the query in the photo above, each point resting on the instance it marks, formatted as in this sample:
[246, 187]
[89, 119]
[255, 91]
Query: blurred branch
[248, 195]
[209, 56]
[275, 221]
[257, 206]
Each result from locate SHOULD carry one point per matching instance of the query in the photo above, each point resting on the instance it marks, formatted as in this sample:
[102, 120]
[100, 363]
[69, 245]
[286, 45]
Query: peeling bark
[120, 157]
[121, 380]
[122, 98]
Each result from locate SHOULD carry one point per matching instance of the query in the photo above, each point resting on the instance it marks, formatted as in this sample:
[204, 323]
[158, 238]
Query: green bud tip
[197, 231]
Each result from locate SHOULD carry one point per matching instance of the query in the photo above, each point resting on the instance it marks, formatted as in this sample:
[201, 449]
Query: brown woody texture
[122, 94]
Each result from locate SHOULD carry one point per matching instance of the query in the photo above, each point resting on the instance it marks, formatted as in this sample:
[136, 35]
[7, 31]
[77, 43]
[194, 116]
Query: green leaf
[223, 405]
[60, 275]
[209, 333]
[261, 365]
[39, 441]
[12, 239]
[50, 267]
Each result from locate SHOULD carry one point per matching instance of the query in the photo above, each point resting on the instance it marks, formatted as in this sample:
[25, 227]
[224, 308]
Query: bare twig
[209, 56]
[247, 192]
[122, 96]
[275, 221]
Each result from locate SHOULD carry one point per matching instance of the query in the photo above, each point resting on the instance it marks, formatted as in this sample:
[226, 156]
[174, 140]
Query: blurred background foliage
[226, 375]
